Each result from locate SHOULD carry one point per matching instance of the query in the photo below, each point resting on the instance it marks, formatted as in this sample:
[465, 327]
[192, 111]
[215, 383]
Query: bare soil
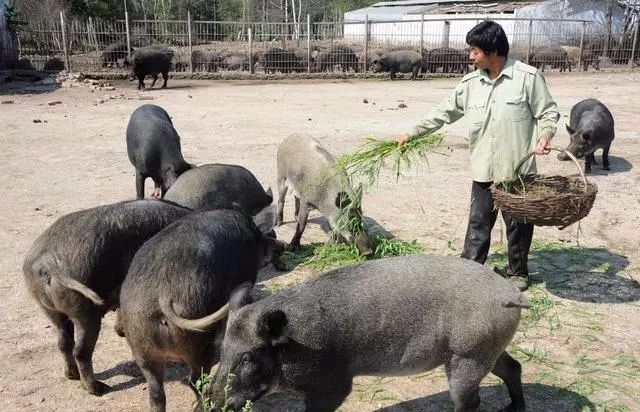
[578, 344]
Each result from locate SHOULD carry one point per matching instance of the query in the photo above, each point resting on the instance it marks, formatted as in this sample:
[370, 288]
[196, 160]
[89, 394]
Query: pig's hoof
[606, 168]
[292, 246]
[72, 374]
[98, 388]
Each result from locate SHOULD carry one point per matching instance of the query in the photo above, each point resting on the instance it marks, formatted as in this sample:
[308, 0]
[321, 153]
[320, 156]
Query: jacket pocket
[516, 108]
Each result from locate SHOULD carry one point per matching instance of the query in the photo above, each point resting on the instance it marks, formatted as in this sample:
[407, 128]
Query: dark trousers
[482, 217]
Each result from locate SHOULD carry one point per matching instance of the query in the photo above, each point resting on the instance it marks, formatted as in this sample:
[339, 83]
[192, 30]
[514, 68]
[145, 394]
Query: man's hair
[489, 37]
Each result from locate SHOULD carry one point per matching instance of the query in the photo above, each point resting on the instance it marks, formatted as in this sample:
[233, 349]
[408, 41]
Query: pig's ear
[269, 193]
[240, 297]
[342, 200]
[569, 129]
[272, 327]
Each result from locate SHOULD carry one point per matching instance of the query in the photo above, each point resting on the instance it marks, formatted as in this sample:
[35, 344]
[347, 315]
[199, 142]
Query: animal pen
[347, 48]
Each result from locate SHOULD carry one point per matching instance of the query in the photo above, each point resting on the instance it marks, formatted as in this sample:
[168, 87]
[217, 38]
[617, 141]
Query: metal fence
[306, 47]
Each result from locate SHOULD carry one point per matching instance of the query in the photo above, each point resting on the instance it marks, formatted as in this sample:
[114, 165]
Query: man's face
[479, 58]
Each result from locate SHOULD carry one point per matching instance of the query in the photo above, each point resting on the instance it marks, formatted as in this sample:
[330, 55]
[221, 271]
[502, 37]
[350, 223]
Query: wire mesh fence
[306, 47]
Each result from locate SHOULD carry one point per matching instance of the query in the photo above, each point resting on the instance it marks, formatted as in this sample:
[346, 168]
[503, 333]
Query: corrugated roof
[484, 8]
[401, 3]
[396, 10]
[398, 3]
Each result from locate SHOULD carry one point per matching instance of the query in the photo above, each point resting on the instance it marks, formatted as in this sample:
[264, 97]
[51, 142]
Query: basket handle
[584, 178]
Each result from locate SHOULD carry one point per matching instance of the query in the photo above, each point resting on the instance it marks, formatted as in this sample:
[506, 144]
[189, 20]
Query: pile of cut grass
[327, 256]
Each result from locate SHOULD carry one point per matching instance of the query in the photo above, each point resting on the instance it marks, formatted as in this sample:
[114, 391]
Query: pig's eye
[246, 359]
[586, 137]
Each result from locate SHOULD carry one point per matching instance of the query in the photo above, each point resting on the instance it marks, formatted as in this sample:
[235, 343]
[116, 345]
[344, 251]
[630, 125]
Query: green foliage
[12, 18]
[203, 387]
[221, 10]
[333, 255]
[366, 163]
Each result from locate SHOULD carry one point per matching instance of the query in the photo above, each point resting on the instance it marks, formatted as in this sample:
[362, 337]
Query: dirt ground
[579, 344]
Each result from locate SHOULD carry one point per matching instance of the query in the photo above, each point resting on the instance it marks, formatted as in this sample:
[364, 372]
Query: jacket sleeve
[543, 107]
[447, 112]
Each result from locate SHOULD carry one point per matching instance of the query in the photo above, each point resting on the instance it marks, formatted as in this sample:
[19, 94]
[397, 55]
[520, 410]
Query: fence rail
[345, 47]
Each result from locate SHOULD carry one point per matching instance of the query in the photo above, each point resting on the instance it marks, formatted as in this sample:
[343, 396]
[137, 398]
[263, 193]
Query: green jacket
[503, 116]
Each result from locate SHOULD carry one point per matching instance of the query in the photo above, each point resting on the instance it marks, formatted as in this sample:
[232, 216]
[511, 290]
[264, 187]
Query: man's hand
[542, 148]
[402, 139]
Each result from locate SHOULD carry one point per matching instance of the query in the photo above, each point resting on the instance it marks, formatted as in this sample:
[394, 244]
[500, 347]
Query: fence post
[580, 56]
[250, 37]
[366, 41]
[446, 29]
[64, 42]
[308, 43]
[422, 35]
[92, 36]
[634, 45]
[126, 25]
[529, 43]
[190, 42]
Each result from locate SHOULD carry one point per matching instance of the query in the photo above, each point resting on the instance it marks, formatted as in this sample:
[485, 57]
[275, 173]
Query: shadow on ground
[538, 397]
[24, 87]
[174, 372]
[582, 274]
[616, 165]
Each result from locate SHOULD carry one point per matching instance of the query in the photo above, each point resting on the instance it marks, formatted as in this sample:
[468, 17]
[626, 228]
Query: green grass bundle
[334, 255]
[370, 158]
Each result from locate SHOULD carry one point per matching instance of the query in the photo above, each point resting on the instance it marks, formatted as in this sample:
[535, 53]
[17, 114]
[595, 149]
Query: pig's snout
[363, 243]
[563, 156]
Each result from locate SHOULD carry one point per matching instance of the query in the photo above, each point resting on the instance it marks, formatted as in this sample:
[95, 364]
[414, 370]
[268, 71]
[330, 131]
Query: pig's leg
[140, 185]
[65, 342]
[199, 364]
[155, 79]
[141, 82]
[154, 374]
[414, 73]
[510, 371]
[465, 375]
[157, 189]
[588, 160]
[328, 401]
[118, 327]
[282, 192]
[302, 223]
[165, 77]
[88, 330]
[297, 207]
[605, 158]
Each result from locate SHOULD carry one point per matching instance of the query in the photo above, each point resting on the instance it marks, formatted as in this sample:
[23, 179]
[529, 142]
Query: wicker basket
[551, 201]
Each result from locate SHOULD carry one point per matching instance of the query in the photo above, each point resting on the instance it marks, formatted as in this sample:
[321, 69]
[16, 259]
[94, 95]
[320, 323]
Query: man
[511, 113]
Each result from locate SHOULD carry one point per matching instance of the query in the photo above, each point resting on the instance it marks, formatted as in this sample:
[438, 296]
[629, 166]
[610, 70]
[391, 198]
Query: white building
[446, 22]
